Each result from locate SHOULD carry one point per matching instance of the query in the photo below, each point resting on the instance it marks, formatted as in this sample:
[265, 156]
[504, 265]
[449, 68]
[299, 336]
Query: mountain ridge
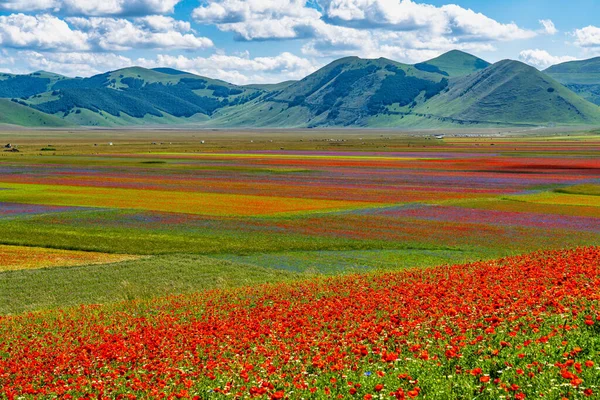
[453, 89]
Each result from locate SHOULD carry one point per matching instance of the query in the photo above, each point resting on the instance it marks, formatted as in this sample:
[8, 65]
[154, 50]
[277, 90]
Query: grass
[357, 261]
[98, 235]
[30, 290]
[174, 274]
[562, 197]
[588, 190]
[16, 114]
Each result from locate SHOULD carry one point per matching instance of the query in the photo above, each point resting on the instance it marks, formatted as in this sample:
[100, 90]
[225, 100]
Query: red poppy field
[520, 327]
[298, 266]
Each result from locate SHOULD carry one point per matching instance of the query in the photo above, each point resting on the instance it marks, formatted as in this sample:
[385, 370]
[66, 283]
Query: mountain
[455, 89]
[511, 92]
[137, 96]
[346, 92]
[582, 77]
[454, 63]
[383, 93]
[19, 86]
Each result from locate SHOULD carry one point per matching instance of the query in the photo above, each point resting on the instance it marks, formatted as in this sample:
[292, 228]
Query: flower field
[520, 327]
[16, 258]
[291, 267]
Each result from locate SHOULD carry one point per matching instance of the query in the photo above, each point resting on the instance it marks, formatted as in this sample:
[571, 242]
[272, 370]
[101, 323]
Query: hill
[138, 96]
[511, 92]
[23, 86]
[454, 63]
[346, 92]
[582, 77]
[14, 113]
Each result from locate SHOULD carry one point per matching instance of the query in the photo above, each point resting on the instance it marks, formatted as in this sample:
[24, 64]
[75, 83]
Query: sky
[267, 41]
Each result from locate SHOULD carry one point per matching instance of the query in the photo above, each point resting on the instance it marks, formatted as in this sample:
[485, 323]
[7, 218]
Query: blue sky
[246, 41]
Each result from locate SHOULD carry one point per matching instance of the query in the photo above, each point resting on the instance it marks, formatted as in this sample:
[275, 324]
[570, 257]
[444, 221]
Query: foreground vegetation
[520, 327]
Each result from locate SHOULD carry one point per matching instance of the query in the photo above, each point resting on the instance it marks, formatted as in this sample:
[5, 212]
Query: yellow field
[560, 199]
[13, 258]
[215, 204]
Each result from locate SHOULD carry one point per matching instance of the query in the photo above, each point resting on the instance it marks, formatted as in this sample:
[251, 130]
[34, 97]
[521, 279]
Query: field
[299, 264]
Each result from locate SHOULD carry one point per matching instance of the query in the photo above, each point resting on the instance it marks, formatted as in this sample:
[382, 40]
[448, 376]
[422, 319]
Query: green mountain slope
[14, 113]
[454, 63]
[139, 96]
[270, 87]
[582, 77]
[347, 92]
[511, 92]
[23, 86]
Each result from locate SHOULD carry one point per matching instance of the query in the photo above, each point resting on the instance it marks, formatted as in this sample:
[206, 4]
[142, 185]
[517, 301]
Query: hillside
[346, 92]
[454, 63]
[138, 96]
[582, 77]
[13, 113]
[22, 86]
[511, 92]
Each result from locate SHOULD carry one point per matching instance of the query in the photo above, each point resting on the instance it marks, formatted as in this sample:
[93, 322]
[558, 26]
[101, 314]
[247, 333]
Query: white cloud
[413, 46]
[47, 32]
[277, 19]
[548, 27]
[44, 32]
[541, 59]
[93, 7]
[371, 28]
[157, 32]
[239, 69]
[74, 63]
[406, 15]
[588, 37]
[260, 19]
[29, 5]
[471, 26]
[6, 58]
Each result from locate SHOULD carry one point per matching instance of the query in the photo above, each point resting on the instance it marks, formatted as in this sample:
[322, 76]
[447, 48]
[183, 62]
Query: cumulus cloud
[372, 28]
[588, 37]
[74, 63]
[239, 69]
[406, 15]
[412, 46]
[47, 32]
[157, 32]
[541, 59]
[548, 27]
[291, 18]
[93, 7]
[29, 5]
[44, 32]
[260, 19]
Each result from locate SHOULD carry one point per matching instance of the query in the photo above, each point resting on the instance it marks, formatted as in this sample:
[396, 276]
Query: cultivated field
[299, 264]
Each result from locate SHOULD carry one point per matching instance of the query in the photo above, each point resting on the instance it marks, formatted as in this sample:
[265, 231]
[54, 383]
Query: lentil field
[299, 265]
